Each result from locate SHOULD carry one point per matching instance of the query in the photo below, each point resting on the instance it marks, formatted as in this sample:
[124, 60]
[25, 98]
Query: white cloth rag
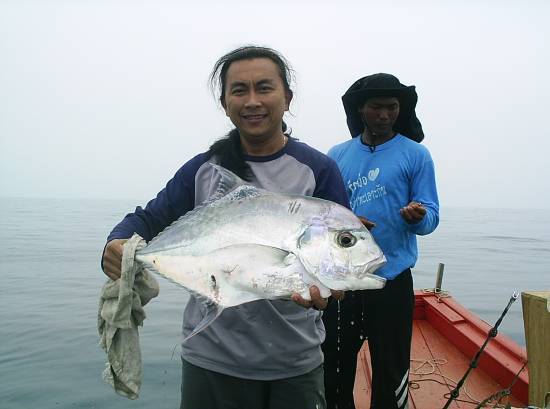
[120, 313]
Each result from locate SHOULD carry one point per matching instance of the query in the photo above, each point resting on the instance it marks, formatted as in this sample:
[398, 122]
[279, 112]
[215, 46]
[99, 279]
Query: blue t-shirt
[264, 339]
[381, 182]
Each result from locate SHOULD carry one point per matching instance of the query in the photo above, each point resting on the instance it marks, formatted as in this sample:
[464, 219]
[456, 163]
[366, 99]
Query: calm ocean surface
[50, 281]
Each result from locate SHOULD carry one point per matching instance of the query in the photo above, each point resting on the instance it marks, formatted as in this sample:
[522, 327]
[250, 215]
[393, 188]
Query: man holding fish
[390, 180]
[267, 247]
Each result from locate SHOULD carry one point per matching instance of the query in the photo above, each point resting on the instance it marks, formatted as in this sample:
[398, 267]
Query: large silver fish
[246, 243]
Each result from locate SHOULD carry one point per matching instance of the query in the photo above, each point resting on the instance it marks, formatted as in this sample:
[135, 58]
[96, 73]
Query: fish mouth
[370, 280]
[374, 277]
[361, 278]
[367, 281]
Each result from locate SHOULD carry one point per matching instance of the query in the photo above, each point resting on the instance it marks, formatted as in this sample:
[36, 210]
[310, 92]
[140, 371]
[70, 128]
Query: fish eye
[346, 239]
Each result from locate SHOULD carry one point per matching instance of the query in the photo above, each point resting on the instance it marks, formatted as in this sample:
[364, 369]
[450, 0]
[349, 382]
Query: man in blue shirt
[390, 181]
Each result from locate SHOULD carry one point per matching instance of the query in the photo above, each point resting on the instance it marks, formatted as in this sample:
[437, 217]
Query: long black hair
[228, 149]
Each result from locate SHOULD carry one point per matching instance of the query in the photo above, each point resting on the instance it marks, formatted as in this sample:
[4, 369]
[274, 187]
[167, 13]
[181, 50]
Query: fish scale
[246, 243]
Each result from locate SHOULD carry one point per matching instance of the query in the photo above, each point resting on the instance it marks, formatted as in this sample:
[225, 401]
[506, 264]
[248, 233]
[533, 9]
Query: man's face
[256, 99]
[380, 114]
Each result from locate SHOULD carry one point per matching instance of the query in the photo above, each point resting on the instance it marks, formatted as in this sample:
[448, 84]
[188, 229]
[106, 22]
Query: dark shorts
[204, 389]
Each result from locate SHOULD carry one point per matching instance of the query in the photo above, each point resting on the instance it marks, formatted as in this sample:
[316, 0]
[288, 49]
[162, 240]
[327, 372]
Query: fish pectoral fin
[240, 255]
[229, 269]
[263, 272]
[213, 311]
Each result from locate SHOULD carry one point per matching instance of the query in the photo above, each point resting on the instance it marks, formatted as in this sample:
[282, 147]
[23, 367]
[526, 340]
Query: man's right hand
[112, 258]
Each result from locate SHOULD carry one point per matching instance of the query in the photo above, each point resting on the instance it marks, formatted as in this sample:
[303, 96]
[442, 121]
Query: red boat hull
[446, 336]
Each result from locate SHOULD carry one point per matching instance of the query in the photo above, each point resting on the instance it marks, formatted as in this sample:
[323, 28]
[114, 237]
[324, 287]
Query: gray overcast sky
[107, 99]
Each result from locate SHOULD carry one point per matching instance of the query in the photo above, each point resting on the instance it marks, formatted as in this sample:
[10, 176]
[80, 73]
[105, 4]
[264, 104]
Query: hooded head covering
[383, 85]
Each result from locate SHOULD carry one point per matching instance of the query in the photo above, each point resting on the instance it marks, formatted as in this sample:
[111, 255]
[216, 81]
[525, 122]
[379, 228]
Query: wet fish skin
[247, 243]
[235, 274]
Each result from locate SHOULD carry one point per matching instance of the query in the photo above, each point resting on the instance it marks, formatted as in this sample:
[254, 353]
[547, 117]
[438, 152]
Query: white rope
[433, 365]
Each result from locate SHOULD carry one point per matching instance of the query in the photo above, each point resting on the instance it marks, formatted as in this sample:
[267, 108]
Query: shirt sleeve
[424, 190]
[330, 185]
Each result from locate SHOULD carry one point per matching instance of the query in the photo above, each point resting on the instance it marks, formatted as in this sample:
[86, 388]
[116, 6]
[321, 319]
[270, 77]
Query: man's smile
[254, 117]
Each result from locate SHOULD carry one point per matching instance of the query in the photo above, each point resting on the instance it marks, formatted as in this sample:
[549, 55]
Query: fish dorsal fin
[228, 182]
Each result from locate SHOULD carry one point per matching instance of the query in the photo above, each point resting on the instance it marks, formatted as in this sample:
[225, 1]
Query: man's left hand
[413, 212]
[317, 302]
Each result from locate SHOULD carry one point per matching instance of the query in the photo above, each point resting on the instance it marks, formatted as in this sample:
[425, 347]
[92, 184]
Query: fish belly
[234, 274]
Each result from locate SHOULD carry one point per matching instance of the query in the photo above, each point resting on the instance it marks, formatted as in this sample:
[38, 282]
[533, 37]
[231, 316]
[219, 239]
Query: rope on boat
[433, 366]
[503, 392]
[438, 292]
[428, 367]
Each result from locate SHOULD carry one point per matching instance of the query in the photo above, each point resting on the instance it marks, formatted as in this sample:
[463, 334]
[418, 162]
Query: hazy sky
[107, 99]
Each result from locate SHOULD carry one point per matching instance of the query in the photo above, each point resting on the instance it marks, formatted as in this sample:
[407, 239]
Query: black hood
[383, 85]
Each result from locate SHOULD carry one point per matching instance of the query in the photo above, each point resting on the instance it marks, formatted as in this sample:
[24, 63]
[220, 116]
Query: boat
[446, 338]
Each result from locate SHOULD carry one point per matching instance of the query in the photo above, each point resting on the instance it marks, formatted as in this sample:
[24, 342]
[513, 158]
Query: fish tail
[213, 311]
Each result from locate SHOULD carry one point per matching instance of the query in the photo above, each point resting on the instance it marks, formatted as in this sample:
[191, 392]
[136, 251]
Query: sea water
[50, 281]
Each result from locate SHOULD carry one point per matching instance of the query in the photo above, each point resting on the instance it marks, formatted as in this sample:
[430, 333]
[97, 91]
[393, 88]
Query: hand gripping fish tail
[246, 244]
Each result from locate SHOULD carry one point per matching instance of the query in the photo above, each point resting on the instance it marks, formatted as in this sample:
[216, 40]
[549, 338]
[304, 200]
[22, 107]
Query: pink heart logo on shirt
[373, 174]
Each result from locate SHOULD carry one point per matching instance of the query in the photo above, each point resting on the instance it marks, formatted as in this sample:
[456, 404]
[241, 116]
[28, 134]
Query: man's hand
[112, 258]
[413, 212]
[317, 302]
[367, 223]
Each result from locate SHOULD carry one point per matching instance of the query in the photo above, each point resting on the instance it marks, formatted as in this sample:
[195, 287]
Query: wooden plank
[445, 311]
[536, 320]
